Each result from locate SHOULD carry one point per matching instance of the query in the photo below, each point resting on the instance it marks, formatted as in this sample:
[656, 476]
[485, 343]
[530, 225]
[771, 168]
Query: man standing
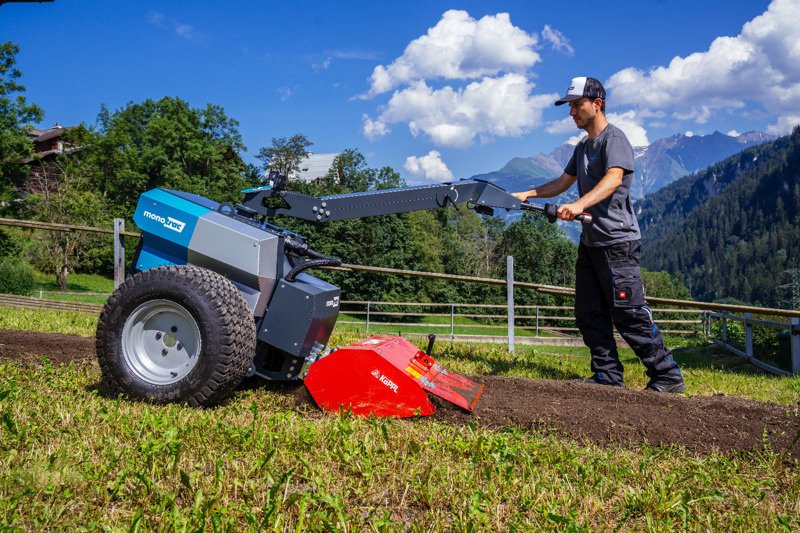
[608, 282]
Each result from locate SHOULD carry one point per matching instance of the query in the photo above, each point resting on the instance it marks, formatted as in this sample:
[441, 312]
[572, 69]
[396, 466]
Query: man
[608, 283]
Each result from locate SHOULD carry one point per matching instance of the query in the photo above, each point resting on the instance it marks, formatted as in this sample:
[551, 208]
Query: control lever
[431, 338]
[550, 210]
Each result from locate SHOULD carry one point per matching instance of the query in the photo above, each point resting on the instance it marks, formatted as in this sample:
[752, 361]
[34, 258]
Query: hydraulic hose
[302, 249]
[314, 263]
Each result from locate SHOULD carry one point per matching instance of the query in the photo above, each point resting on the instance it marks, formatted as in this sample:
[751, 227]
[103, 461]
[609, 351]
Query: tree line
[168, 143]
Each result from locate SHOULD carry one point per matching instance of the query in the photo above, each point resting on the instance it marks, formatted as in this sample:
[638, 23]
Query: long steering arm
[480, 195]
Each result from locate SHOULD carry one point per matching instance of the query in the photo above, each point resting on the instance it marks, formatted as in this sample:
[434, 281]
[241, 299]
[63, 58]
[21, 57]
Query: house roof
[314, 166]
[49, 133]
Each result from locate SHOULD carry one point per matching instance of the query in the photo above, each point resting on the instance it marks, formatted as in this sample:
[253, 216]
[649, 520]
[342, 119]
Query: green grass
[48, 321]
[77, 283]
[74, 457]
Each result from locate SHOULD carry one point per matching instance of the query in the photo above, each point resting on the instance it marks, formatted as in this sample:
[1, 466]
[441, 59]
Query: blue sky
[433, 89]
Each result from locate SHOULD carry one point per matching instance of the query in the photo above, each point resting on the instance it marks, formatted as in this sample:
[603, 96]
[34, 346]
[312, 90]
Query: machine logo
[169, 222]
[333, 303]
[174, 225]
[383, 379]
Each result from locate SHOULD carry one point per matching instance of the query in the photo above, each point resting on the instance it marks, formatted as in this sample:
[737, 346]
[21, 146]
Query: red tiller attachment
[386, 376]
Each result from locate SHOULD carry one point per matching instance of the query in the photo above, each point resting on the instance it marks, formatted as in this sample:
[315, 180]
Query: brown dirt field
[587, 412]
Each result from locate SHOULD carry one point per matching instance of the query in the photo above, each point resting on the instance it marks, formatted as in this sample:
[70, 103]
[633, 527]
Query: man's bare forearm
[604, 188]
[549, 189]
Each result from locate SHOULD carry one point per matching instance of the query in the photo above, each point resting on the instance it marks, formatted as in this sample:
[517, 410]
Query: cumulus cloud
[631, 126]
[557, 40]
[459, 48]
[761, 64]
[428, 169]
[491, 107]
[784, 124]
[373, 129]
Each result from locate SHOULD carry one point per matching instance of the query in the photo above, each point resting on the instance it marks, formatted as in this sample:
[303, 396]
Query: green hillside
[733, 230]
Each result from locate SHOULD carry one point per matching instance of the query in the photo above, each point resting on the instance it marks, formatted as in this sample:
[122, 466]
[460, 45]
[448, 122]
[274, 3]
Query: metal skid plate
[386, 376]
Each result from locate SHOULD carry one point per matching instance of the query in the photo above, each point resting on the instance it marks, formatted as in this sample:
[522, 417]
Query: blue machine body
[168, 222]
[180, 228]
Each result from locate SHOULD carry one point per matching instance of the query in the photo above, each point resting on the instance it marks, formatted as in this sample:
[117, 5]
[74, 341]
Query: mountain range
[656, 165]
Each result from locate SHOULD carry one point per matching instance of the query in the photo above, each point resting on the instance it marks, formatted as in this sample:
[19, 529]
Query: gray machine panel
[245, 254]
[301, 315]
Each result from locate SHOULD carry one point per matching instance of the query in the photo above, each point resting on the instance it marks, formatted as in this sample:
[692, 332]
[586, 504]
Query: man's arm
[604, 188]
[549, 189]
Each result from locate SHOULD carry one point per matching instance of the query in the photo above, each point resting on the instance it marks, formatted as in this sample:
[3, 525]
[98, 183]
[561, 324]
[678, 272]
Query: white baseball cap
[583, 87]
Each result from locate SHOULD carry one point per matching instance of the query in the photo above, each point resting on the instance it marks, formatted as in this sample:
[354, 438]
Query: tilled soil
[590, 412]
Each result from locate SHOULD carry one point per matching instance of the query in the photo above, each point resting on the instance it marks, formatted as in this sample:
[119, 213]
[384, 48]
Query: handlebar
[550, 210]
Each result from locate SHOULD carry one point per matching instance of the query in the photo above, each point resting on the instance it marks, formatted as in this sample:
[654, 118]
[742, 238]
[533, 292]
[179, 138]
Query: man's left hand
[568, 212]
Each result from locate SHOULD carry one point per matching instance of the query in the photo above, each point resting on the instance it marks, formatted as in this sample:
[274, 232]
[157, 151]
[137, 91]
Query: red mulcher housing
[386, 376]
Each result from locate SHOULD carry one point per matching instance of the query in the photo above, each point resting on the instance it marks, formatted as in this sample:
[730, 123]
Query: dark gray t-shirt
[614, 220]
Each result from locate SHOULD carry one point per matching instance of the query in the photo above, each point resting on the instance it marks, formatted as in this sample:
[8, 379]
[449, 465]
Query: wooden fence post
[119, 252]
[724, 333]
[748, 335]
[367, 318]
[795, 339]
[510, 298]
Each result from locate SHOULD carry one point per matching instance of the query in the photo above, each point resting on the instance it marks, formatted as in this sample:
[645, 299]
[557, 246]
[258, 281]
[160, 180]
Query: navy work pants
[609, 291]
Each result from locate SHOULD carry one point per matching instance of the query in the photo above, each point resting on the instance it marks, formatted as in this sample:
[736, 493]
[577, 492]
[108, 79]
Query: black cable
[314, 263]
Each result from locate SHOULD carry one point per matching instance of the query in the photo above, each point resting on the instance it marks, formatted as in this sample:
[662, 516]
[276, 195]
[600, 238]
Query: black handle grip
[550, 210]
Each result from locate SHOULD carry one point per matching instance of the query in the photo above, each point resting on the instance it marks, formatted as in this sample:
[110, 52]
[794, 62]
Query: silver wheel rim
[161, 342]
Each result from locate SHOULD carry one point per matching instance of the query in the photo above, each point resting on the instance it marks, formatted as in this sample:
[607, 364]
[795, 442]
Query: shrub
[16, 276]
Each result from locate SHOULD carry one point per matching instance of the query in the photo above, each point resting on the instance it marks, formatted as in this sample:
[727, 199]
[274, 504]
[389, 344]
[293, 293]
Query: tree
[285, 154]
[15, 114]
[57, 191]
[165, 143]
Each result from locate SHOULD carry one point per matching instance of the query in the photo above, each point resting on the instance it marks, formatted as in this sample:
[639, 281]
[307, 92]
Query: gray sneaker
[671, 382]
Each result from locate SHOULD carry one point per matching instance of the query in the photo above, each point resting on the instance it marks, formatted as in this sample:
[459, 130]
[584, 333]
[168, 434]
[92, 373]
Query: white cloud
[784, 124]
[761, 64]
[630, 122]
[184, 31]
[631, 126]
[557, 40]
[733, 133]
[373, 129]
[284, 93]
[689, 133]
[491, 107]
[330, 55]
[428, 168]
[565, 125]
[156, 19]
[459, 48]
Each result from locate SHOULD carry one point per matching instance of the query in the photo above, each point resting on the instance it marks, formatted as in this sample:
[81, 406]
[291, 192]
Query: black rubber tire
[226, 326]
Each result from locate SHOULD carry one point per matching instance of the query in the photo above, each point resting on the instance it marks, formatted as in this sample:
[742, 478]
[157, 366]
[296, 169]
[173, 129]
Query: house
[48, 143]
[314, 167]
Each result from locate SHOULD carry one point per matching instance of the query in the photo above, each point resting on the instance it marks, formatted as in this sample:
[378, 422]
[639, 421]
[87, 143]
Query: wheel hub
[161, 342]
